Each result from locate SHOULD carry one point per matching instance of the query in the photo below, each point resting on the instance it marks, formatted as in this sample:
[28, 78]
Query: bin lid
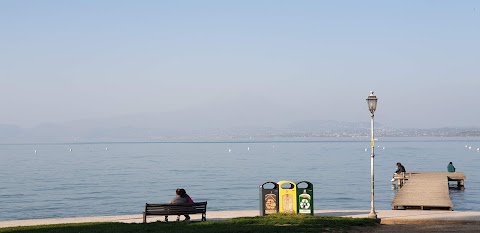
[282, 183]
[275, 185]
[309, 185]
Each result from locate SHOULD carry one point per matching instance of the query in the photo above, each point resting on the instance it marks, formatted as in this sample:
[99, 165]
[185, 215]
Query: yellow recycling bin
[288, 197]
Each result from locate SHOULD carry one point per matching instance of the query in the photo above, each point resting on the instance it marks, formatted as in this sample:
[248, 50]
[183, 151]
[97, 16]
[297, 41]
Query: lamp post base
[372, 214]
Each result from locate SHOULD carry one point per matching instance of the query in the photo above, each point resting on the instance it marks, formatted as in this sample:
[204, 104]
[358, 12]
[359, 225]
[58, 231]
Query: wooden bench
[175, 209]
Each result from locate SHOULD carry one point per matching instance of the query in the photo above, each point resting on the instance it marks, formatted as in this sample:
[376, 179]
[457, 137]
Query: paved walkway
[387, 216]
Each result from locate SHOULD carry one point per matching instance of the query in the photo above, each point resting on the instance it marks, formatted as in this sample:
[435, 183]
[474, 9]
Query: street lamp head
[372, 102]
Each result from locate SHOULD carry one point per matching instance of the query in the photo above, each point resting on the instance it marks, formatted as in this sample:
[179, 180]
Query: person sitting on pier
[450, 167]
[400, 170]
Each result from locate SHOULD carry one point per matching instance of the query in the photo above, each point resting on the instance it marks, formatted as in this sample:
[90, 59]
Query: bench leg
[144, 218]
[178, 218]
[166, 218]
[204, 217]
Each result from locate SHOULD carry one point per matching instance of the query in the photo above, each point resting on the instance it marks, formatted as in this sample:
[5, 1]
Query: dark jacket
[400, 169]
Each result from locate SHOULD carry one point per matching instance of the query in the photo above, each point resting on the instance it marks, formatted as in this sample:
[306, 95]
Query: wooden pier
[425, 190]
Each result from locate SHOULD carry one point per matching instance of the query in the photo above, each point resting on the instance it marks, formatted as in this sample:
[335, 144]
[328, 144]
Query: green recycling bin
[305, 198]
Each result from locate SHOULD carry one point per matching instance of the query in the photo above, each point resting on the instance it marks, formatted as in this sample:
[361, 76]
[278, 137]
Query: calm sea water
[93, 179]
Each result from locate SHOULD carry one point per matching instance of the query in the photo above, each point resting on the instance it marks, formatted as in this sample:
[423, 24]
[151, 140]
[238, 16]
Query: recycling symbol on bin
[305, 204]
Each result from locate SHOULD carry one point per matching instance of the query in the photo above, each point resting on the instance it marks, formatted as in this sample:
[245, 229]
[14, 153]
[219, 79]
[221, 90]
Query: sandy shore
[388, 217]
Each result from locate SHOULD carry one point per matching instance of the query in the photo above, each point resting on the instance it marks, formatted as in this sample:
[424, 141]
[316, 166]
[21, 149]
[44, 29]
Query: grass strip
[272, 223]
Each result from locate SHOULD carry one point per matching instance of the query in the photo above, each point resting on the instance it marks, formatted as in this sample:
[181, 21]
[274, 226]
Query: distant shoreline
[245, 140]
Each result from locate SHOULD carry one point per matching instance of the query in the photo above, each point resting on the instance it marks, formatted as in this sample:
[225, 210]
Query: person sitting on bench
[182, 198]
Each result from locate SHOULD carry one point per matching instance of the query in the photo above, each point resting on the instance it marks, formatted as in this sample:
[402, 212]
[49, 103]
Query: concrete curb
[425, 221]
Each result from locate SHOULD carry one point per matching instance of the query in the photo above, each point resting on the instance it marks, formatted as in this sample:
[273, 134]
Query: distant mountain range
[151, 130]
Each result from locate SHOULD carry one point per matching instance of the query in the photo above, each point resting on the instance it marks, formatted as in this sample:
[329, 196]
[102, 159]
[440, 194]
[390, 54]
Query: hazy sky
[317, 60]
